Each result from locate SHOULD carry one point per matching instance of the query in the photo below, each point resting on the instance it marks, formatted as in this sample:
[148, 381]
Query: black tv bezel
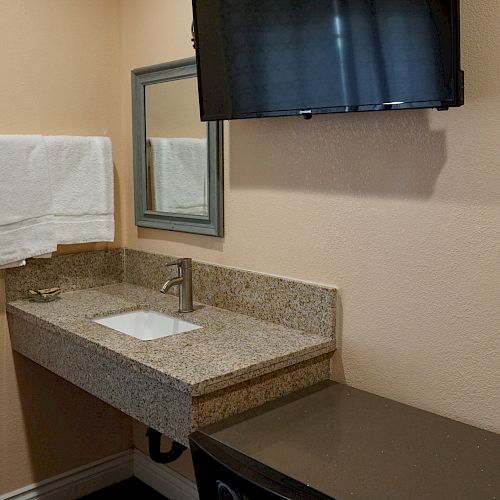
[458, 86]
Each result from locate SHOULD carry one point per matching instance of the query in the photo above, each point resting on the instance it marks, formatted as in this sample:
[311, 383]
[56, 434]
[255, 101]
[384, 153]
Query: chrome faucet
[185, 281]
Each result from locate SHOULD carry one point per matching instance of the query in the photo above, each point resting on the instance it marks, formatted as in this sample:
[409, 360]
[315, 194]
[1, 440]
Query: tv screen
[260, 58]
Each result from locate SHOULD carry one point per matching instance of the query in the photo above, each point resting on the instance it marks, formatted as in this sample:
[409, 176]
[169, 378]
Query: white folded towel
[18, 263]
[81, 173]
[179, 175]
[26, 221]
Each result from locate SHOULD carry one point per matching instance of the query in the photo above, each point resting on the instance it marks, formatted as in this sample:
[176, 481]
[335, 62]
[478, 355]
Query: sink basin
[146, 325]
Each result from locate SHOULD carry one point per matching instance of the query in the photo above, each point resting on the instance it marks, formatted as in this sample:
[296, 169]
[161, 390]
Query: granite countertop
[228, 349]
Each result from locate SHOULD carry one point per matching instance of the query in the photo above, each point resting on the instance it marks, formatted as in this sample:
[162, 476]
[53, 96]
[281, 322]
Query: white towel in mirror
[179, 175]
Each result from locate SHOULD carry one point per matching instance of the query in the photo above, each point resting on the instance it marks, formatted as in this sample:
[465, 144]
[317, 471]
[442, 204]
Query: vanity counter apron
[177, 383]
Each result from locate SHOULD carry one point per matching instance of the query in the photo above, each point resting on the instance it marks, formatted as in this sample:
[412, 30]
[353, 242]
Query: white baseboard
[163, 479]
[80, 481]
[102, 473]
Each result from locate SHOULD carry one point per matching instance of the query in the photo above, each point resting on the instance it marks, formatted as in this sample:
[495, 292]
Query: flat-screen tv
[260, 58]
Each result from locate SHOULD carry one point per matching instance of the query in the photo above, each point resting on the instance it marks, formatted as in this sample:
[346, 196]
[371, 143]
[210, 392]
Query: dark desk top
[348, 443]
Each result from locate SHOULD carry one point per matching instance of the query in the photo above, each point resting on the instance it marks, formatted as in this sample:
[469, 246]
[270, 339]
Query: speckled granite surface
[212, 407]
[69, 272]
[112, 380]
[230, 347]
[269, 337]
[143, 378]
[296, 304]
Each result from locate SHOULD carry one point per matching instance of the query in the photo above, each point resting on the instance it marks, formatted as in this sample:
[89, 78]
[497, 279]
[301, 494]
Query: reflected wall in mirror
[178, 171]
[176, 149]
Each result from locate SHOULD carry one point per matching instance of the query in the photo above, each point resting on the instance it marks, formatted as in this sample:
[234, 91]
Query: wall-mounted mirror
[178, 160]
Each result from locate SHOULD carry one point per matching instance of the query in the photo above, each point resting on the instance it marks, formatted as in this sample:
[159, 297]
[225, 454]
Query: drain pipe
[155, 452]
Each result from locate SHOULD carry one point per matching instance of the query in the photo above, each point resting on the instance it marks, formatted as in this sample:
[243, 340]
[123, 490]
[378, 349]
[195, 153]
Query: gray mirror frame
[213, 225]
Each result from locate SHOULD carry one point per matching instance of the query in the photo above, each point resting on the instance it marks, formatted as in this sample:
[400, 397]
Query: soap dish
[46, 295]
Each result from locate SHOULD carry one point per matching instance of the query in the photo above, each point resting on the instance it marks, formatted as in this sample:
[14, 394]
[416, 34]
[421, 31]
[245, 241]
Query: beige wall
[400, 210]
[172, 110]
[60, 66]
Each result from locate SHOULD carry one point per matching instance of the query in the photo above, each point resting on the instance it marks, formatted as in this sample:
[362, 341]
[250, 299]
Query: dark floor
[128, 489]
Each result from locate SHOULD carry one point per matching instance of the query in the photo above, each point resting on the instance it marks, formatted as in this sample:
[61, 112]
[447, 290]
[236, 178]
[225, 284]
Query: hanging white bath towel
[26, 221]
[81, 172]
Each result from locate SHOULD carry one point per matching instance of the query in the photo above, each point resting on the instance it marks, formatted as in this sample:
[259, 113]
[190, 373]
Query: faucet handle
[177, 262]
[184, 261]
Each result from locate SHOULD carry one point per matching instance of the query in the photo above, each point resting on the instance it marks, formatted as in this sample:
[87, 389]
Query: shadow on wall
[386, 154]
[65, 427]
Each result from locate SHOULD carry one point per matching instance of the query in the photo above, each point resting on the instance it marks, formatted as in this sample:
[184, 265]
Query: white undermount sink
[146, 325]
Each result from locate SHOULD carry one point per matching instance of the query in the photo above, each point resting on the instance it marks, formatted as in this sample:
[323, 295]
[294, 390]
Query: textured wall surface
[60, 67]
[400, 210]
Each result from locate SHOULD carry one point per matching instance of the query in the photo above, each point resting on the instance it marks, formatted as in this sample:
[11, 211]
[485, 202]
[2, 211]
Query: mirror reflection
[176, 149]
